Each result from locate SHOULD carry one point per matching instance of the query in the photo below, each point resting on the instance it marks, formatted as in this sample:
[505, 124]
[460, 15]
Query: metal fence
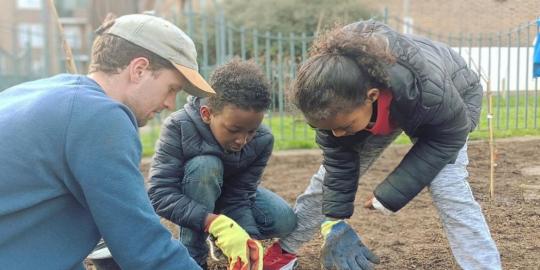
[505, 58]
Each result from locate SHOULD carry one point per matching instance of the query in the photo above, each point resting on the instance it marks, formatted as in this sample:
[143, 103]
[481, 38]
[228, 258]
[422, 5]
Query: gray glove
[343, 249]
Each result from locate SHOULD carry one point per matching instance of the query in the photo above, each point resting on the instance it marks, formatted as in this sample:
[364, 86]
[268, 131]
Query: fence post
[516, 118]
[217, 30]
[508, 81]
[499, 45]
[222, 38]
[230, 41]
[28, 54]
[304, 55]
[267, 63]
[292, 70]
[536, 86]
[480, 67]
[526, 76]
[256, 46]
[489, 66]
[280, 84]
[242, 43]
[189, 18]
[204, 26]
[46, 38]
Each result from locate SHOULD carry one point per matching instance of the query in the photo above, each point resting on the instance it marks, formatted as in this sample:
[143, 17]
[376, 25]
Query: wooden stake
[70, 61]
[492, 163]
[492, 157]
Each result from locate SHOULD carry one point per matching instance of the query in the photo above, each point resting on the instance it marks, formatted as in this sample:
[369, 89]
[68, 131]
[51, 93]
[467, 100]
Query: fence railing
[505, 58]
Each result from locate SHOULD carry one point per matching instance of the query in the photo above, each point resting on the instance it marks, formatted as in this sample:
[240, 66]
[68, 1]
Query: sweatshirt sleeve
[103, 154]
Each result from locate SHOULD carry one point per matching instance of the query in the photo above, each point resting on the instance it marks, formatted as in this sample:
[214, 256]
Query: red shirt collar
[383, 124]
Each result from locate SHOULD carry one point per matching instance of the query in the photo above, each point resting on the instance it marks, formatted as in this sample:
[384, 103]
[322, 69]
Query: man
[70, 152]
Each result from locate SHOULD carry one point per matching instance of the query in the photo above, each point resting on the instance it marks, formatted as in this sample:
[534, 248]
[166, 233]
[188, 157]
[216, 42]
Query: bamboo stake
[70, 61]
[492, 163]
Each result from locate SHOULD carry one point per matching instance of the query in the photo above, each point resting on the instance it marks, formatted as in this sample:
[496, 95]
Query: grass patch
[514, 116]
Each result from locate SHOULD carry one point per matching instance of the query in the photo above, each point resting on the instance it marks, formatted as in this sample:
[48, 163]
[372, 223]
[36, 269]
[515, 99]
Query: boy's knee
[209, 161]
[205, 168]
[290, 223]
[285, 224]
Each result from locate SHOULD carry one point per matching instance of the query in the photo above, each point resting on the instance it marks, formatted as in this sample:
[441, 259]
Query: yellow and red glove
[243, 252]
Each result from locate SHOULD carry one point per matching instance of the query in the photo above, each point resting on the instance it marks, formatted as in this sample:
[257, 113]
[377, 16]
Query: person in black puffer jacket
[361, 87]
[208, 166]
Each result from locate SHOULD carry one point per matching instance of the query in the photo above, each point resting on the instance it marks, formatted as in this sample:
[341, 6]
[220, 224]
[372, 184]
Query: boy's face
[350, 121]
[233, 127]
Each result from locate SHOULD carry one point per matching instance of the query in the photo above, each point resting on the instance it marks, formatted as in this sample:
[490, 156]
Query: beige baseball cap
[166, 40]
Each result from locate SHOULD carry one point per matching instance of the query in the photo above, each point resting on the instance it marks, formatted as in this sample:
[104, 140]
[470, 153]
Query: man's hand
[243, 252]
[343, 249]
[374, 204]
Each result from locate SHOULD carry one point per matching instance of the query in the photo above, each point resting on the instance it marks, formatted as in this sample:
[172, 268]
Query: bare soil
[414, 238]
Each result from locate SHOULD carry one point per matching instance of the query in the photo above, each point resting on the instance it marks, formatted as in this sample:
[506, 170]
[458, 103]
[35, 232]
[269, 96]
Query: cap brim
[199, 87]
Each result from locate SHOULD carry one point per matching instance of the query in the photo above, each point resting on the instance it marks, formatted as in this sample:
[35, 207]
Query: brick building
[461, 16]
[28, 24]
[30, 43]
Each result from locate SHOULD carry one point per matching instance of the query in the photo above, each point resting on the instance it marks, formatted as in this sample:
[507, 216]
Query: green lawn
[513, 116]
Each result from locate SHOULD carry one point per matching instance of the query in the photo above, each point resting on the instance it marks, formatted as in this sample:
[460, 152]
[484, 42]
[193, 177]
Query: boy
[208, 166]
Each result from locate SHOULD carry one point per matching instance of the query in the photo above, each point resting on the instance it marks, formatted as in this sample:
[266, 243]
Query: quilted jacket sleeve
[341, 162]
[440, 137]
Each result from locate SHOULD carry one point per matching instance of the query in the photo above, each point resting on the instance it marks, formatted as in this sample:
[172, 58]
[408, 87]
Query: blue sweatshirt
[69, 174]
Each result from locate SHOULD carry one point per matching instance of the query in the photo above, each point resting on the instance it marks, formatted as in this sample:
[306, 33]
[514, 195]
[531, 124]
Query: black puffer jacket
[436, 99]
[184, 135]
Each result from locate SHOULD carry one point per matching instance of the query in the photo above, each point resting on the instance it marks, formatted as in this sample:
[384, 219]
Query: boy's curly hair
[239, 83]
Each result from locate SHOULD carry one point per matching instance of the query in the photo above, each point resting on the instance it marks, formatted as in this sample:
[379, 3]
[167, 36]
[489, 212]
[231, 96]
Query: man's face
[156, 91]
[233, 127]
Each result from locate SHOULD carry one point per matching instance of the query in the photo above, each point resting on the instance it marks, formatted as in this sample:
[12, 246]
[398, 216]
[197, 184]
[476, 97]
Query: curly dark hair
[344, 64]
[239, 83]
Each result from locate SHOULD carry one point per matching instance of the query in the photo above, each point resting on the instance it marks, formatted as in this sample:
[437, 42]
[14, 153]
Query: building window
[29, 4]
[30, 34]
[73, 36]
[38, 65]
[69, 8]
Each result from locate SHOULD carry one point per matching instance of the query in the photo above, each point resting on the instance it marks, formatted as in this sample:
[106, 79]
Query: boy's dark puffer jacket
[184, 135]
